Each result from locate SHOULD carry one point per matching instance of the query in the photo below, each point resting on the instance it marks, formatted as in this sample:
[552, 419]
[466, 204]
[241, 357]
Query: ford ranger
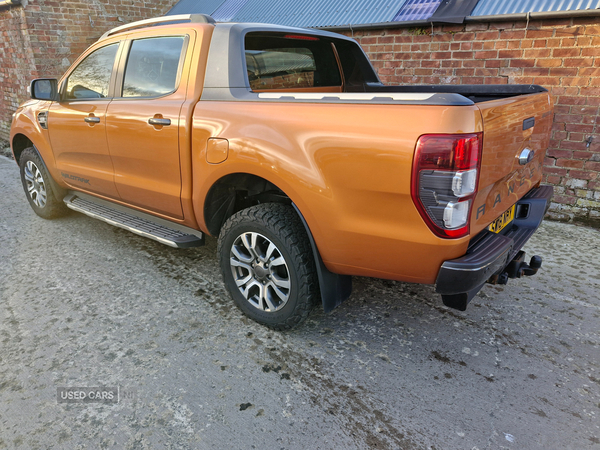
[284, 144]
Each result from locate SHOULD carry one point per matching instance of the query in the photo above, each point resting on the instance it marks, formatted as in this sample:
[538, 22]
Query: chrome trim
[467, 270]
[159, 122]
[359, 96]
[526, 156]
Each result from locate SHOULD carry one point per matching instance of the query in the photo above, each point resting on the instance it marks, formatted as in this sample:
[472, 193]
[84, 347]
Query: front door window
[91, 78]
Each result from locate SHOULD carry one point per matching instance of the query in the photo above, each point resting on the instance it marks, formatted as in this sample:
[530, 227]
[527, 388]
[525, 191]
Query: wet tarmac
[84, 304]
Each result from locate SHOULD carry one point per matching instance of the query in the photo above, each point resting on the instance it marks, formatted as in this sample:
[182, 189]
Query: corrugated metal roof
[299, 13]
[195, 7]
[499, 7]
[330, 13]
[417, 10]
[227, 11]
[319, 13]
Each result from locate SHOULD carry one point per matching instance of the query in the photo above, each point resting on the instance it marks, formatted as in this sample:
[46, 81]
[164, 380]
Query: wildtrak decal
[511, 189]
[75, 178]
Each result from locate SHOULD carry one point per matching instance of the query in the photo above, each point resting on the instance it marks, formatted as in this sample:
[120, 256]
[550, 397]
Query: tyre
[38, 187]
[268, 265]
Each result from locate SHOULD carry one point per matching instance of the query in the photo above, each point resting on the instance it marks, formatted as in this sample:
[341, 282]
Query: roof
[298, 13]
[417, 10]
[501, 7]
[195, 7]
[318, 13]
[346, 13]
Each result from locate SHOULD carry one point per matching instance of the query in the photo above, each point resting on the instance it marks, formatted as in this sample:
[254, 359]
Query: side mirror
[44, 89]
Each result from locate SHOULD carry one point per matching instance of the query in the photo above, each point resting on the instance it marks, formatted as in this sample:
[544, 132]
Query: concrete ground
[84, 304]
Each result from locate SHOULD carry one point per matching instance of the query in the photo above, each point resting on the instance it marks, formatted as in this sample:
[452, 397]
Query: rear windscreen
[290, 61]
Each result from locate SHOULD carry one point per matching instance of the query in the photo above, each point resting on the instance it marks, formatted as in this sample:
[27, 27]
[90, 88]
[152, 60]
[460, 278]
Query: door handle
[162, 122]
[92, 119]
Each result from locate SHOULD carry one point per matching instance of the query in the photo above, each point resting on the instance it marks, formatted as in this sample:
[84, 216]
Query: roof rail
[192, 18]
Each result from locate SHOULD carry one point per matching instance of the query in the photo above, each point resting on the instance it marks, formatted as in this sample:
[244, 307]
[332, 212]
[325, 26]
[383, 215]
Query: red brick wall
[562, 55]
[17, 66]
[61, 30]
[44, 37]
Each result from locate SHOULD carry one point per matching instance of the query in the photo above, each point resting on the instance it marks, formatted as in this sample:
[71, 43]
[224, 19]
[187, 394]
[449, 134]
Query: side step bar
[137, 222]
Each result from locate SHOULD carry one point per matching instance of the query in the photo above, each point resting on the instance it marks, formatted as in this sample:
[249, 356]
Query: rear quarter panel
[348, 169]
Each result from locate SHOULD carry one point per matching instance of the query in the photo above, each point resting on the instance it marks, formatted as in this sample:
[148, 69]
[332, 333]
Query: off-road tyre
[37, 184]
[276, 224]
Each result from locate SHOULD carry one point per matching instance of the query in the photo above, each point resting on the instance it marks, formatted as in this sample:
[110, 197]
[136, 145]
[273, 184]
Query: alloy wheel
[35, 184]
[260, 271]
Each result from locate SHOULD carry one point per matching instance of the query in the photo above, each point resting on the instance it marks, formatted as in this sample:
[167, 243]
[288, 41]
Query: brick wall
[43, 38]
[17, 66]
[61, 30]
[562, 55]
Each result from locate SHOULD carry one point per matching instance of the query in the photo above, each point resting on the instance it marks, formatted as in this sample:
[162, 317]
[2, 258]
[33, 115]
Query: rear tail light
[444, 181]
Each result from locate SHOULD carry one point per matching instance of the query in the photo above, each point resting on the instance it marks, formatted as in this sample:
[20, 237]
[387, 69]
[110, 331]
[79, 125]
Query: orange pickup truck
[283, 143]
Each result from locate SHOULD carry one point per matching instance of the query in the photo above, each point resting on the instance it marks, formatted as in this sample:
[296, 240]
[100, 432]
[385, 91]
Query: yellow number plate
[501, 222]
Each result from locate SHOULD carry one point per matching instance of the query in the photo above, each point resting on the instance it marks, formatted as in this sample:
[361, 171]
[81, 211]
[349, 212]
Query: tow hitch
[517, 268]
[487, 258]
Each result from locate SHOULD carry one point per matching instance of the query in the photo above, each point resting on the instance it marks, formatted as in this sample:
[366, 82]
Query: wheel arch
[22, 142]
[237, 191]
[19, 143]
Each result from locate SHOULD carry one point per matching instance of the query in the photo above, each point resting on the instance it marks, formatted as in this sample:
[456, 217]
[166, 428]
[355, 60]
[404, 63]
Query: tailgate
[510, 126]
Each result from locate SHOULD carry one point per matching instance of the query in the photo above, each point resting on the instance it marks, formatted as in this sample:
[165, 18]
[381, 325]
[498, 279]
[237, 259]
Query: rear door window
[290, 61]
[153, 66]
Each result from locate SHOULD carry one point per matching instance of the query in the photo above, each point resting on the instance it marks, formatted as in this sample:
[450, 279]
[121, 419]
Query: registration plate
[501, 222]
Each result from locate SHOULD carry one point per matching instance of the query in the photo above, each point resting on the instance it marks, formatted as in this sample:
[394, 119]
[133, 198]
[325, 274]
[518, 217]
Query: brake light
[301, 37]
[444, 181]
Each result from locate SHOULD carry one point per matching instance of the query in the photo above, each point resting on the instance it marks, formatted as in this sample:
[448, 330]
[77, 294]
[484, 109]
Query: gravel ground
[5, 149]
[84, 304]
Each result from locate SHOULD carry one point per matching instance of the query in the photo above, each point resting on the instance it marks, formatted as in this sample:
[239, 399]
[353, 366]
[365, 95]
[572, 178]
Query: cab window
[290, 61]
[91, 78]
[153, 66]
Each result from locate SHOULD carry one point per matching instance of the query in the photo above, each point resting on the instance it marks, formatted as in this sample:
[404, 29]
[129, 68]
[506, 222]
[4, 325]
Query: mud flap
[460, 301]
[334, 288]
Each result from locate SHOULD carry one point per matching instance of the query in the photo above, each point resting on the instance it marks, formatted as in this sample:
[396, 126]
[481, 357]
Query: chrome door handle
[92, 119]
[163, 122]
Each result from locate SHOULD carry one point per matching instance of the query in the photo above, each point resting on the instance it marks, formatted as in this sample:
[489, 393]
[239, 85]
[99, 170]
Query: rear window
[290, 61]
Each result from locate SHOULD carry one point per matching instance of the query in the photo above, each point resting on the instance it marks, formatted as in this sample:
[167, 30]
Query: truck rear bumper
[489, 254]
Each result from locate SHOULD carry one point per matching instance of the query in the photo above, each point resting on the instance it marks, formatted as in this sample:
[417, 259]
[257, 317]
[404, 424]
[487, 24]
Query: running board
[137, 222]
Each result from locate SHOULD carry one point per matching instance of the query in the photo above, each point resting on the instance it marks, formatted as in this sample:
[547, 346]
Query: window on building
[289, 61]
[153, 66]
[91, 78]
